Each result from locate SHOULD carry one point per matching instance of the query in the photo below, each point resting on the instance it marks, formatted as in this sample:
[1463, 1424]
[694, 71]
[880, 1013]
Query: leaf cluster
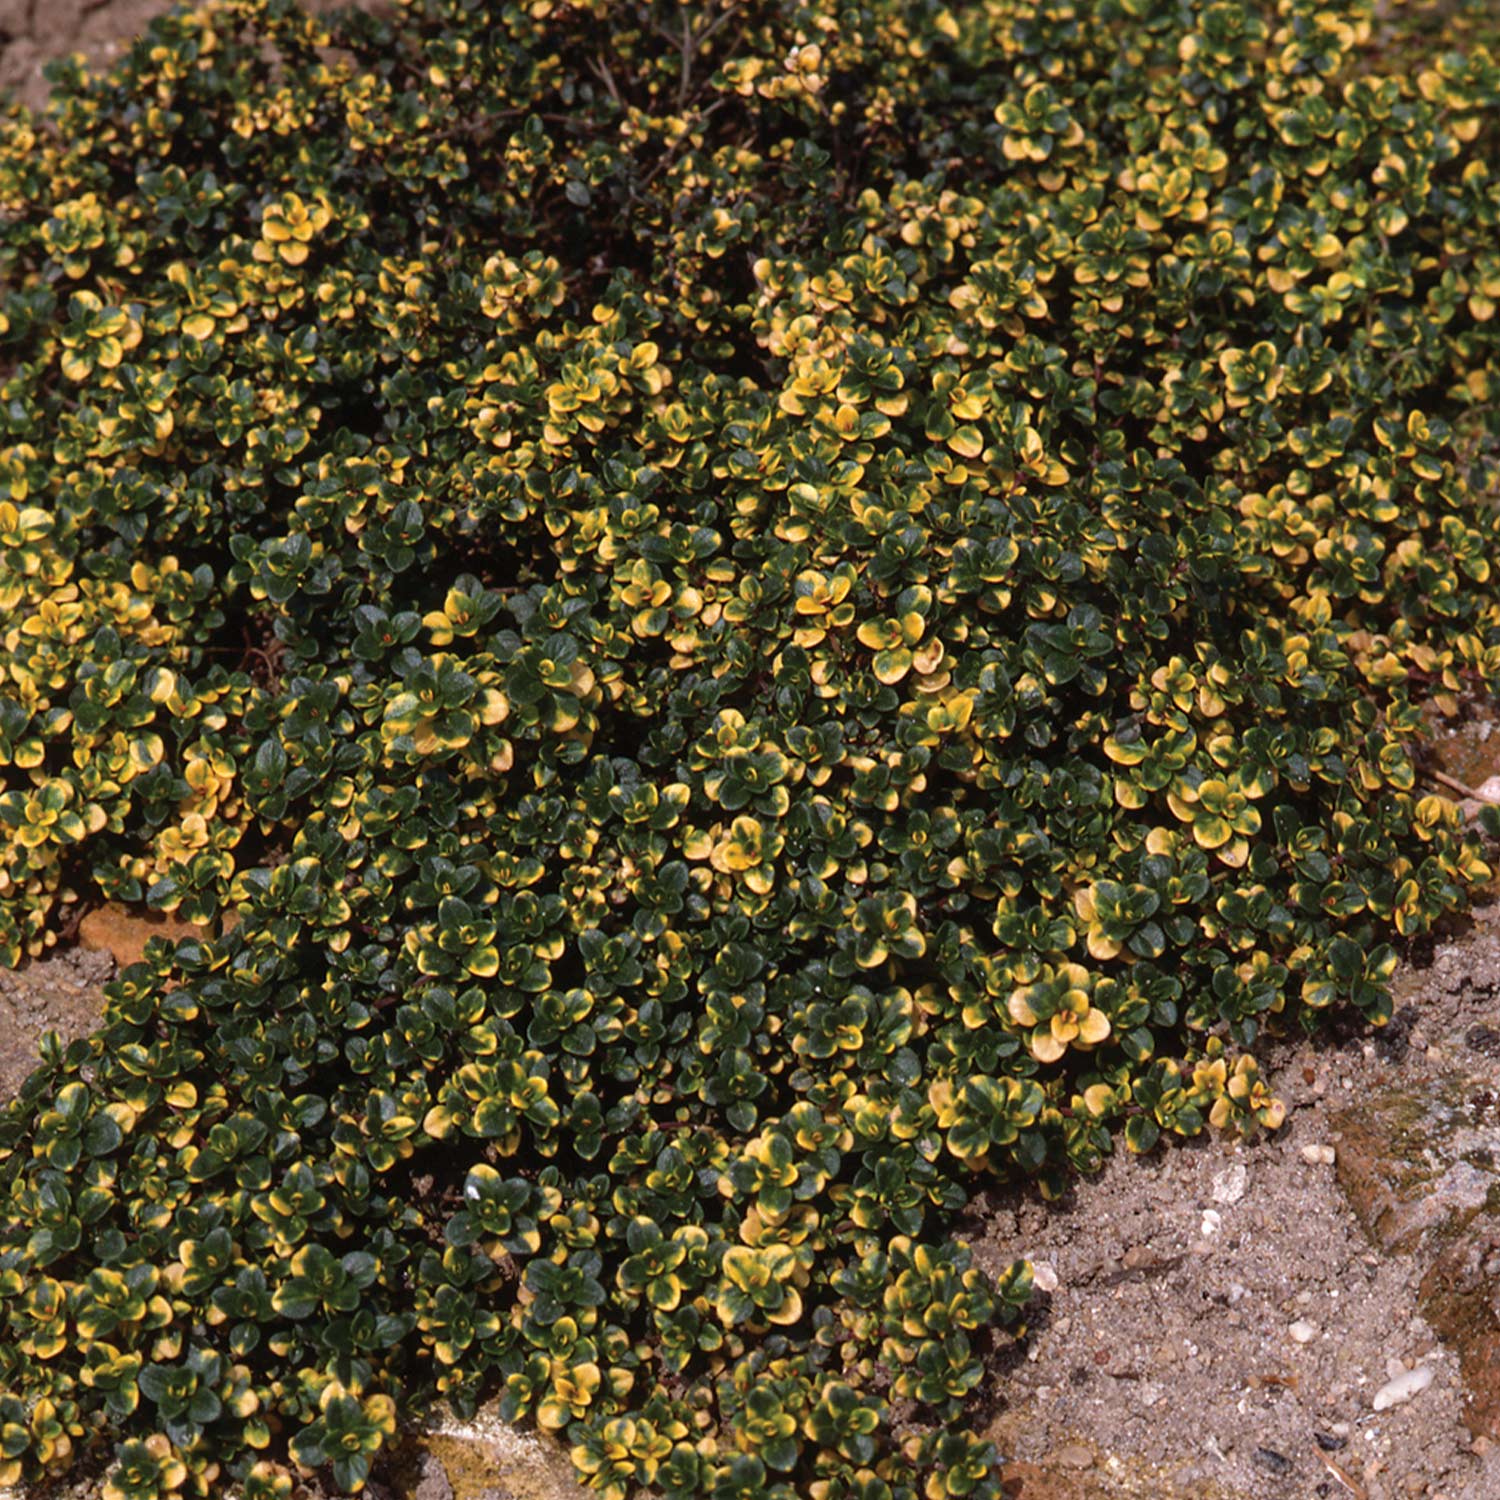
[763, 614]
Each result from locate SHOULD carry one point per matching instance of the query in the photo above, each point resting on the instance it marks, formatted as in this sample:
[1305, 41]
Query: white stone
[1043, 1276]
[1316, 1156]
[1211, 1223]
[1229, 1185]
[1403, 1388]
[1303, 1331]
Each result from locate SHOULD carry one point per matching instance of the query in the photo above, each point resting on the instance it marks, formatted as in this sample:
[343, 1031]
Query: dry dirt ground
[33, 31]
[1217, 1319]
[1222, 1322]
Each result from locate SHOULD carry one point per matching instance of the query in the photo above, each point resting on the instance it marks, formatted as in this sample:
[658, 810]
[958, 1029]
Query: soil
[1168, 1359]
[34, 31]
[61, 994]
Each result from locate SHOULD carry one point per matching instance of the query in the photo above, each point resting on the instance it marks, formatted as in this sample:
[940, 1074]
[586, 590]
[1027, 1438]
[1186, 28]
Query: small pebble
[1270, 1459]
[1229, 1185]
[1302, 1331]
[1330, 1442]
[1073, 1456]
[1403, 1388]
[1044, 1277]
[1211, 1223]
[1319, 1155]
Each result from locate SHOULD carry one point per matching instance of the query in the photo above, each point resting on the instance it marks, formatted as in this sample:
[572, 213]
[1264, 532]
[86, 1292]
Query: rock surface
[485, 1459]
[1416, 1158]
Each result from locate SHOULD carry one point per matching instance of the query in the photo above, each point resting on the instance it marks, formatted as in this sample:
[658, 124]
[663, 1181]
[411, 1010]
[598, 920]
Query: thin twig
[692, 44]
[716, 23]
[479, 131]
[600, 70]
[662, 32]
[689, 45]
[1351, 1484]
[672, 152]
[1455, 785]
